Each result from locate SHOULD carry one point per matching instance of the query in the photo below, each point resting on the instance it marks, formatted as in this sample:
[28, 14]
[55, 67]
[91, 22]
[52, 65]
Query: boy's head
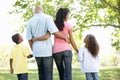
[17, 38]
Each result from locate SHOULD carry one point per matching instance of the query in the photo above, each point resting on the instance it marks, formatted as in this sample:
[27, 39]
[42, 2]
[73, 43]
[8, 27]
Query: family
[40, 28]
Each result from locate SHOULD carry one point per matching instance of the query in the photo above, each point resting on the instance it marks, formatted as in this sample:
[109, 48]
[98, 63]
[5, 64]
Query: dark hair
[60, 17]
[91, 45]
[15, 38]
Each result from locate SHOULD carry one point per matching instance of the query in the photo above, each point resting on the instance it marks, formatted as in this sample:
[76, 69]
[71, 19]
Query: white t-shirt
[88, 62]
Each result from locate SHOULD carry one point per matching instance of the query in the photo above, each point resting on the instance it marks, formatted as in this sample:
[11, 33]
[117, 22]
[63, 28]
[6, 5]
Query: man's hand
[61, 36]
[67, 40]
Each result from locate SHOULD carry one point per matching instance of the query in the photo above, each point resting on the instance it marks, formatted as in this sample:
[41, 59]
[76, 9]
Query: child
[88, 56]
[18, 61]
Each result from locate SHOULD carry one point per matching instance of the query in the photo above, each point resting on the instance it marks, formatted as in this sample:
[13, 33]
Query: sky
[5, 21]
[8, 23]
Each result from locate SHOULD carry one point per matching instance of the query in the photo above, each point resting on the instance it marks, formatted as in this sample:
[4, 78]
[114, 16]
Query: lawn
[105, 74]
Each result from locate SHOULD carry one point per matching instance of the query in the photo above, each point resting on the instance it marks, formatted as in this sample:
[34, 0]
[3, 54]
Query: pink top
[60, 44]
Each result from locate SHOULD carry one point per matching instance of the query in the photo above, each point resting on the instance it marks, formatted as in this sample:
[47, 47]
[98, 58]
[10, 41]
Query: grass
[104, 74]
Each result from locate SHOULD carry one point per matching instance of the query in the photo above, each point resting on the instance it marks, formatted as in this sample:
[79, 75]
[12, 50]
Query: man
[38, 26]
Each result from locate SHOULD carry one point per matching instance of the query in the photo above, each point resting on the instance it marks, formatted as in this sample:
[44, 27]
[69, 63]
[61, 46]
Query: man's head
[17, 38]
[38, 9]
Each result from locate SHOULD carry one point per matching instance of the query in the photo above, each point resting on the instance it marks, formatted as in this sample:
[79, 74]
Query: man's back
[38, 26]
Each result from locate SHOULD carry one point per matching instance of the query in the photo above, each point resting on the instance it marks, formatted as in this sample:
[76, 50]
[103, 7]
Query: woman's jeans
[92, 76]
[63, 61]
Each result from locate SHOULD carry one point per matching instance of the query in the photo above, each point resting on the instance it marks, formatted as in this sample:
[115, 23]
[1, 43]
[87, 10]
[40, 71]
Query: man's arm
[11, 69]
[46, 36]
[61, 36]
[30, 43]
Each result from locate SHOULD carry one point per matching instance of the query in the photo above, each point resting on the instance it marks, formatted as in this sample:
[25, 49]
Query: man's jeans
[92, 76]
[63, 61]
[45, 68]
[23, 76]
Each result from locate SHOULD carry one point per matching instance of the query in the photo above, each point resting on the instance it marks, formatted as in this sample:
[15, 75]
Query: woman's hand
[33, 40]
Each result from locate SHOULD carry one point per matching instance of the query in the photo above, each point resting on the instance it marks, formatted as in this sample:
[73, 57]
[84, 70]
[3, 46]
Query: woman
[62, 53]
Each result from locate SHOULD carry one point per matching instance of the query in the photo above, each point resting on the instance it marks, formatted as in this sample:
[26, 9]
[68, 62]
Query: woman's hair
[92, 45]
[15, 38]
[60, 17]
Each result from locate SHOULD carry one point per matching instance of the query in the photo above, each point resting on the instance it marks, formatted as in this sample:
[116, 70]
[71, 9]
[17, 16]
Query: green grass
[104, 74]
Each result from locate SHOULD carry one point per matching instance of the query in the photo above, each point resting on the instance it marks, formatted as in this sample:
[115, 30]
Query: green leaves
[116, 39]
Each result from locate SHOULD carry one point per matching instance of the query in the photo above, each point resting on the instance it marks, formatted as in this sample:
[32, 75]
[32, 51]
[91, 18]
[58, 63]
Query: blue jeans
[92, 76]
[23, 76]
[63, 61]
[45, 68]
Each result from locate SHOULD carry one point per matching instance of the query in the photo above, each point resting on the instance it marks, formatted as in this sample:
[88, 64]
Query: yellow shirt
[19, 55]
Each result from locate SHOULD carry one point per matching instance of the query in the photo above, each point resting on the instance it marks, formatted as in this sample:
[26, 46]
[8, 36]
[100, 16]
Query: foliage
[84, 13]
[116, 39]
[114, 60]
[4, 56]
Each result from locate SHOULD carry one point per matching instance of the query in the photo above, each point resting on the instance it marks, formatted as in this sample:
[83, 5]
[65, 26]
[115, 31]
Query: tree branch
[113, 25]
[114, 7]
[99, 25]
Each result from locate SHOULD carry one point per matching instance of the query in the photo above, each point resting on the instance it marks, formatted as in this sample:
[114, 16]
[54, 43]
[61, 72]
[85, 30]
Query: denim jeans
[23, 76]
[63, 61]
[92, 76]
[45, 68]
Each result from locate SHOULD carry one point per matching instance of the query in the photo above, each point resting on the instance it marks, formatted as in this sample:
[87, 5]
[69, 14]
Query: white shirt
[38, 26]
[88, 62]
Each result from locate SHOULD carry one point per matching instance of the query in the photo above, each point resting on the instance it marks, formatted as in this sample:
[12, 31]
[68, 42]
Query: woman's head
[91, 44]
[61, 16]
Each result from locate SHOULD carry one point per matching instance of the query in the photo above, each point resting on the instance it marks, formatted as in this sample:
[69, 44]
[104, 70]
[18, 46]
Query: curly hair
[60, 17]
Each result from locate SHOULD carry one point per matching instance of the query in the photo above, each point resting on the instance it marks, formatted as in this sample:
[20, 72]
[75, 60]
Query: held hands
[30, 56]
[77, 50]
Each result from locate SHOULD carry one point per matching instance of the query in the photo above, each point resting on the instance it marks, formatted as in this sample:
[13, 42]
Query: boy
[18, 58]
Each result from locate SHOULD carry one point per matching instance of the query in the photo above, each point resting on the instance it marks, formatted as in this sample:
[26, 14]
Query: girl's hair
[60, 17]
[92, 45]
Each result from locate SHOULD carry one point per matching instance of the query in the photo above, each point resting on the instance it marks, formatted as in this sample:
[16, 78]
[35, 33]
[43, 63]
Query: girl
[62, 53]
[88, 56]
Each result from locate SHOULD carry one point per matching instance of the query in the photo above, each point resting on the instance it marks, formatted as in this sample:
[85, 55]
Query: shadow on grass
[105, 74]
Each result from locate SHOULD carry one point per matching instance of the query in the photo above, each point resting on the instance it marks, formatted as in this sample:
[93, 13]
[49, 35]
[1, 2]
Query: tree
[84, 13]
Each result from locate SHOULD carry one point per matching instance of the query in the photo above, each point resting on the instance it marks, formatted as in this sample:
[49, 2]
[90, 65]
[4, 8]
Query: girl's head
[61, 16]
[92, 45]
[17, 38]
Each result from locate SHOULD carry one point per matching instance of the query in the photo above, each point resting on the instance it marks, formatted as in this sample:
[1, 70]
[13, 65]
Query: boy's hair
[15, 38]
[92, 45]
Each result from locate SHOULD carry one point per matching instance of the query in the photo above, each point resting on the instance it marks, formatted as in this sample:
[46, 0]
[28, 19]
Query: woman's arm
[42, 38]
[72, 41]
